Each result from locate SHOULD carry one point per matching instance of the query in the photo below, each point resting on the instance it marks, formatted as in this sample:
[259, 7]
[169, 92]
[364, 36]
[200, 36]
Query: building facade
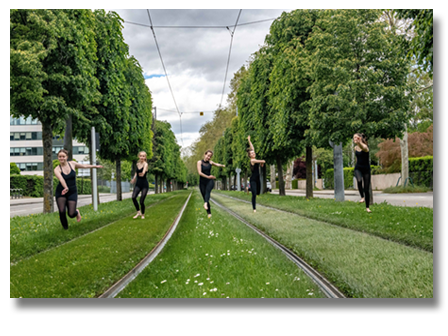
[26, 148]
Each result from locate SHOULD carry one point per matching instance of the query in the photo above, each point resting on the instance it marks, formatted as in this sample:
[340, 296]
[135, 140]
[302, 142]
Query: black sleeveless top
[362, 160]
[206, 169]
[70, 180]
[142, 182]
[255, 171]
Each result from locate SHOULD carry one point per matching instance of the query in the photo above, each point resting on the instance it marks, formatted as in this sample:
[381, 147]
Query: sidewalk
[32, 200]
[325, 192]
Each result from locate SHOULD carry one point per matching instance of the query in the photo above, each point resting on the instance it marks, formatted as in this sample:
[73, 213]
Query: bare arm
[57, 172]
[363, 146]
[253, 161]
[79, 165]
[216, 164]
[250, 144]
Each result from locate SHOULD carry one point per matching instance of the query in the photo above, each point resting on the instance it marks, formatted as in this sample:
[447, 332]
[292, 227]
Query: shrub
[13, 169]
[295, 184]
[33, 185]
[421, 171]
[349, 173]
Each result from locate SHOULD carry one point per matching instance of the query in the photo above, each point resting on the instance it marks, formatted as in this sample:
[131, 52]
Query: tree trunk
[309, 172]
[404, 158]
[47, 140]
[118, 180]
[68, 137]
[338, 173]
[273, 177]
[287, 177]
[156, 190]
[264, 187]
[245, 181]
[234, 181]
[281, 183]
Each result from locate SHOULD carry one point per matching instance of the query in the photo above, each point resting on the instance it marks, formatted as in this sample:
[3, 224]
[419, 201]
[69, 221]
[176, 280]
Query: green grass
[219, 258]
[36, 233]
[87, 266]
[359, 264]
[407, 189]
[412, 226]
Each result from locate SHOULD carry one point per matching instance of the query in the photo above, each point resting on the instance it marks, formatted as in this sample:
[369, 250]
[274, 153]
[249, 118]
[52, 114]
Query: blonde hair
[142, 152]
[63, 151]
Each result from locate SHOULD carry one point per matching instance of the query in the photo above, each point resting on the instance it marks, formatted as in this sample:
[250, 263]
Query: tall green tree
[290, 79]
[359, 78]
[421, 46]
[51, 73]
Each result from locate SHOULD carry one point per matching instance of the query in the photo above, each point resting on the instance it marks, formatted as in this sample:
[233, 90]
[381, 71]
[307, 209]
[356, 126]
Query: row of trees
[71, 70]
[320, 77]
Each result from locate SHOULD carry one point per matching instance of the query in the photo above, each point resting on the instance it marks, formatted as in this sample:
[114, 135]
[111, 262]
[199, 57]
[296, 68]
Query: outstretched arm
[216, 164]
[253, 161]
[78, 165]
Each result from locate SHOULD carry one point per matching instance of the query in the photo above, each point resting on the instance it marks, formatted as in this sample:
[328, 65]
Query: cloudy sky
[195, 58]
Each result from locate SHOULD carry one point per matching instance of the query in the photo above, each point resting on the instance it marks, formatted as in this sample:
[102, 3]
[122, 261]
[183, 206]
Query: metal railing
[16, 193]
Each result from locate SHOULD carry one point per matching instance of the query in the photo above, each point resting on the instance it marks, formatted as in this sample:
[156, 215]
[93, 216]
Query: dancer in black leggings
[255, 176]
[362, 168]
[141, 185]
[206, 182]
[66, 192]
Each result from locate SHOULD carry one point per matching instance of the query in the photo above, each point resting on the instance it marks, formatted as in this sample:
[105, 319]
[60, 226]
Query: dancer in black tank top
[206, 182]
[255, 183]
[66, 192]
[362, 168]
[141, 185]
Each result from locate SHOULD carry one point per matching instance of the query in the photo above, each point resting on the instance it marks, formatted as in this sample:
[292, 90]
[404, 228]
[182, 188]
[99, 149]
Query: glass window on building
[28, 136]
[22, 136]
[22, 166]
[22, 151]
[38, 135]
[11, 151]
[40, 166]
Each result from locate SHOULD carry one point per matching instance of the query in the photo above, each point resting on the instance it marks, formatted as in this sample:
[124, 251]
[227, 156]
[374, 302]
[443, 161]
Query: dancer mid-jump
[362, 167]
[255, 176]
[206, 182]
[66, 192]
[141, 185]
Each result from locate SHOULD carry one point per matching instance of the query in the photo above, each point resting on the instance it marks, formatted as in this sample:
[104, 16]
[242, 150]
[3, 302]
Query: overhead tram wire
[199, 27]
[166, 75]
[228, 58]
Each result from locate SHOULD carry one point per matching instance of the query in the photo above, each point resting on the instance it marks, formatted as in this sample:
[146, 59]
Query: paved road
[27, 206]
[417, 199]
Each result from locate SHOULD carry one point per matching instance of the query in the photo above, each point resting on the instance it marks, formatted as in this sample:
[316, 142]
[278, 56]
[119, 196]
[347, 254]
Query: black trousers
[255, 189]
[206, 186]
[363, 175]
[142, 198]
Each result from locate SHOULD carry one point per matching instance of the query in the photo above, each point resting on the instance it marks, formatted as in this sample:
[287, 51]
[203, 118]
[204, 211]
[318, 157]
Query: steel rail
[132, 274]
[327, 288]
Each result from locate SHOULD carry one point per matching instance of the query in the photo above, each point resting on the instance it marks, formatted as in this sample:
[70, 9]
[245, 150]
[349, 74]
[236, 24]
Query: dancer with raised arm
[206, 182]
[255, 176]
[141, 185]
[362, 168]
[66, 192]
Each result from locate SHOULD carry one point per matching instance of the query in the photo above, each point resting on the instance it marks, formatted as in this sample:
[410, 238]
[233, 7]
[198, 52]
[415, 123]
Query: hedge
[421, 171]
[33, 185]
[13, 169]
[349, 173]
[295, 184]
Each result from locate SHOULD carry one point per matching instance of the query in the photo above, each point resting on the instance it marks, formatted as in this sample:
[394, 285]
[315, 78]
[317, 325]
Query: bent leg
[62, 202]
[134, 197]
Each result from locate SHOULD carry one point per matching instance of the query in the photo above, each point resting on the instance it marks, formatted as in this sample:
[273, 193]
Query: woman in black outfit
[362, 168]
[141, 185]
[206, 182]
[66, 192]
[255, 176]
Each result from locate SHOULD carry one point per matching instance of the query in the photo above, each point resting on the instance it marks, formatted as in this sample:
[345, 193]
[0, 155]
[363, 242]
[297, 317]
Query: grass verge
[361, 265]
[36, 233]
[87, 266]
[407, 189]
[411, 226]
[219, 258]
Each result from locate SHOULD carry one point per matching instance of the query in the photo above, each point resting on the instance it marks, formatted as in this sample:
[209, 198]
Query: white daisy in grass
[200, 284]
[267, 283]
[276, 290]
[187, 283]
[211, 281]
[204, 293]
[195, 281]
[163, 281]
[197, 275]
[206, 254]
[177, 270]
[310, 293]
[227, 283]
[208, 279]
